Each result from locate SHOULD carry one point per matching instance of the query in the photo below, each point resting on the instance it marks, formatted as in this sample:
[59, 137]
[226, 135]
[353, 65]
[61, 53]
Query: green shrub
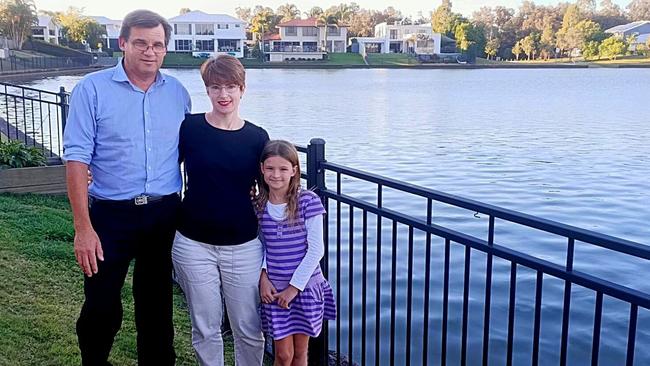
[14, 154]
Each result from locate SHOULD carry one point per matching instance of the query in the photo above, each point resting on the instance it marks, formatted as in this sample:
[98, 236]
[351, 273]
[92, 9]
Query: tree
[17, 18]
[590, 50]
[529, 45]
[326, 19]
[469, 38]
[639, 10]
[244, 14]
[609, 15]
[288, 12]
[612, 47]
[77, 28]
[314, 12]
[517, 50]
[443, 20]
[547, 41]
[263, 20]
[492, 47]
[362, 24]
[184, 11]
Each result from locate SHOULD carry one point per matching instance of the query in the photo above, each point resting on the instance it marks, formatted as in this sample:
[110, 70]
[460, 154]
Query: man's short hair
[222, 70]
[144, 19]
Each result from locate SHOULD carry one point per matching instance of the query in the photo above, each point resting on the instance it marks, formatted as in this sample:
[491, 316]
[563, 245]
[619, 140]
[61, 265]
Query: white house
[207, 34]
[113, 28]
[638, 32]
[305, 39]
[399, 38]
[47, 30]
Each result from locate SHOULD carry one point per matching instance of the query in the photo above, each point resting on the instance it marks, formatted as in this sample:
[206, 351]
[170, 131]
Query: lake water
[566, 145]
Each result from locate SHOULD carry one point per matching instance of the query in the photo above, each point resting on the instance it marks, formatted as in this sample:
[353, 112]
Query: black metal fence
[13, 63]
[34, 117]
[365, 334]
[386, 260]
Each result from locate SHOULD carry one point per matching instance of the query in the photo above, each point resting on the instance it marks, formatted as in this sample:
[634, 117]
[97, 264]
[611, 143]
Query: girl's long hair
[287, 151]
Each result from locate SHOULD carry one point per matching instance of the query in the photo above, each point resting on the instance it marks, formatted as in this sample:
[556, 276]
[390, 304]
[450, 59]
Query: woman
[216, 251]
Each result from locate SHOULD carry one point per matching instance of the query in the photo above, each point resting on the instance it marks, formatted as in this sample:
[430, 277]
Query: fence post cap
[317, 141]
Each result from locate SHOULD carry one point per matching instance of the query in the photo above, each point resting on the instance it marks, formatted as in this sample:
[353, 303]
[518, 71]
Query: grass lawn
[345, 59]
[391, 59]
[41, 290]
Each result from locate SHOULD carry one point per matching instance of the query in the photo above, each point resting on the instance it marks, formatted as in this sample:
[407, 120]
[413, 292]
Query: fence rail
[381, 345]
[35, 117]
[13, 63]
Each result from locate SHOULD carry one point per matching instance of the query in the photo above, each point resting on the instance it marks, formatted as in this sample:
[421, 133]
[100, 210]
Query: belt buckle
[141, 200]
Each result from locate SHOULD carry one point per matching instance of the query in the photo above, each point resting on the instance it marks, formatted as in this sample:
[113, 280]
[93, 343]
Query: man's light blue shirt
[127, 136]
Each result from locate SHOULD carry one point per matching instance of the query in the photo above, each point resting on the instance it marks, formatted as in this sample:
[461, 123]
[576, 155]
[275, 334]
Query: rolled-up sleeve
[79, 134]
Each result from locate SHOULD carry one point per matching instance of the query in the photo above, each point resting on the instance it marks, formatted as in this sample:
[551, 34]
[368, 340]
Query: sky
[116, 9]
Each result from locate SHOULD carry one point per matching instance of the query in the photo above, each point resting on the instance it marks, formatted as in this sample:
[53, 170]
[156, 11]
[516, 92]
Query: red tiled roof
[309, 22]
[272, 37]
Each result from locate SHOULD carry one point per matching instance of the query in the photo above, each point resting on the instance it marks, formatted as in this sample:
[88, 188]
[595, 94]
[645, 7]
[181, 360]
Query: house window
[205, 45]
[309, 31]
[228, 45]
[237, 25]
[182, 29]
[291, 31]
[52, 33]
[393, 34]
[333, 31]
[204, 29]
[223, 26]
[38, 31]
[183, 45]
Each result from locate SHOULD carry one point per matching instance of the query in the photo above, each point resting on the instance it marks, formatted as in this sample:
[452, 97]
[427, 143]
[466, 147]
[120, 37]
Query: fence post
[318, 348]
[63, 103]
[315, 156]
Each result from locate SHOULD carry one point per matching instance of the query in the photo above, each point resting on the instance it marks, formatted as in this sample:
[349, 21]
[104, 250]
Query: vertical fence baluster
[351, 284]
[631, 335]
[445, 305]
[463, 352]
[566, 309]
[338, 269]
[378, 279]
[488, 294]
[427, 283]
[538, 315]
[364, 269]
[392, 292]
[598, 315]
[511, 312]
[409, 296]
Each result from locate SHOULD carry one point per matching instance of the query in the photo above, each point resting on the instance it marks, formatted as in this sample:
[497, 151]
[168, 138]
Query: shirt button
[149, 168]
[149, 149]
[148, 131]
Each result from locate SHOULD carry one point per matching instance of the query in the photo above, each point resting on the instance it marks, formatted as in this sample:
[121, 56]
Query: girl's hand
[267, 290]
[285, 297]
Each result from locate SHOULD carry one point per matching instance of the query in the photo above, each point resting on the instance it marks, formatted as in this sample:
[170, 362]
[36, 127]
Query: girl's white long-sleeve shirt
[315, 246]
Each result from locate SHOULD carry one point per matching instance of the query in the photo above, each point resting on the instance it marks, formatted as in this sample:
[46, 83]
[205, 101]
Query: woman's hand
[285, 297]
[267, 290]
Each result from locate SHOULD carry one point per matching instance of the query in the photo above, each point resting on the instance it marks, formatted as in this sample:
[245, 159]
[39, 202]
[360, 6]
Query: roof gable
[198, 16]
[627, 27]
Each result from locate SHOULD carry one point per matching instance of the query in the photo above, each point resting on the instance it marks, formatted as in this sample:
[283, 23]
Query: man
[123, 126]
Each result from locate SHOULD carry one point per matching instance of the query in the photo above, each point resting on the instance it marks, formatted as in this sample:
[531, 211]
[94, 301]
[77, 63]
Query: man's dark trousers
[144, 233]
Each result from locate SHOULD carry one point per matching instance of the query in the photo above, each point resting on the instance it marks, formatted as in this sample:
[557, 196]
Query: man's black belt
[141, 200]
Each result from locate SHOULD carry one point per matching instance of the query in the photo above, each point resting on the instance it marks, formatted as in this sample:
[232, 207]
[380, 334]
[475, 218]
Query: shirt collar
[119, 74]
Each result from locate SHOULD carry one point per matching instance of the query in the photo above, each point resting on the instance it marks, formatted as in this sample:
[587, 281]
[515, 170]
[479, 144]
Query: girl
[295, 295]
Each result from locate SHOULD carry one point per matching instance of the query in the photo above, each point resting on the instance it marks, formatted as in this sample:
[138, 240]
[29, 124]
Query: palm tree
[17, 18]
[327, 18]
[314, 12]
[288, 12]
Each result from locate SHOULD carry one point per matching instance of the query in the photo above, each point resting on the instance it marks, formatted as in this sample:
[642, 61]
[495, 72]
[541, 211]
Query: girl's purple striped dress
[285, 246]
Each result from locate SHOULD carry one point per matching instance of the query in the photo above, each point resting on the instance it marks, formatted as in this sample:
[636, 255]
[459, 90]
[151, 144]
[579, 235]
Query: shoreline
[31, 74]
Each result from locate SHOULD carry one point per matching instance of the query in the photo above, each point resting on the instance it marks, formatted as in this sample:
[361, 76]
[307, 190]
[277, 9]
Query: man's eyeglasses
[230, 88]
[142, 46]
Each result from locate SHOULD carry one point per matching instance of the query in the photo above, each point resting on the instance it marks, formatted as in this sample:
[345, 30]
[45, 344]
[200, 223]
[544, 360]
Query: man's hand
[285, 297]
[87, 249]
[267, 290]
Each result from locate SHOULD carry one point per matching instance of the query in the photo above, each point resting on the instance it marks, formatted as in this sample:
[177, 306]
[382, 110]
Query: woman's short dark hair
[222, 70]
[144, 19]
